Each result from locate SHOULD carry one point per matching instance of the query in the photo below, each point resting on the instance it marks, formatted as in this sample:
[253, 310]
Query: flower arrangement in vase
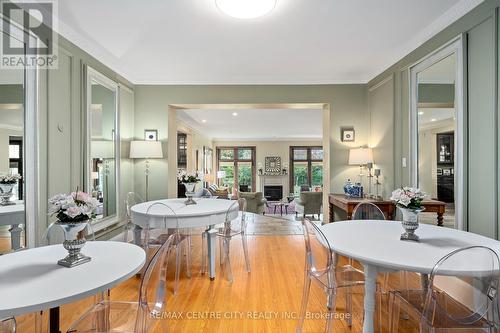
[409, 201]
[189, 179]
[7, 183]
[73, 212]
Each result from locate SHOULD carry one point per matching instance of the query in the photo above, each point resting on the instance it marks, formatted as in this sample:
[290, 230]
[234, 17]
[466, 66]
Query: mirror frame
[31, 137]
[455, 46]
[93, 75]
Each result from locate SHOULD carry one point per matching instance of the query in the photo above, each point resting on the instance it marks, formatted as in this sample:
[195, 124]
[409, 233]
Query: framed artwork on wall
[273, 165]
[151, 135]
[207, 160]
[347, 134]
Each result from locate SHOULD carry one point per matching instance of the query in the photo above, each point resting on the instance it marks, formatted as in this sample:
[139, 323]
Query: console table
[347, 205]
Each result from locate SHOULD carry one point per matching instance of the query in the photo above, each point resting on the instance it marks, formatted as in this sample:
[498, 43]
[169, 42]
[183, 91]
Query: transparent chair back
[319, 256]
[8, 325]
[131, 200]
[159, 214]
[367, 211]
[236, 225]
[468, 298]
[153, 289]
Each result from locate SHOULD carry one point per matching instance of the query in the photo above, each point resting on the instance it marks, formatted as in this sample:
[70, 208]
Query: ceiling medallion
[246, 9]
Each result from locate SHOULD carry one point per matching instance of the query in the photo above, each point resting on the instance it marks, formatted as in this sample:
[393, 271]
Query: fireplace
[273, 192]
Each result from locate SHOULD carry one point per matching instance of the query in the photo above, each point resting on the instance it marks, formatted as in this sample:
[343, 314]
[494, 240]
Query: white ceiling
[430, 116]
[255, 124]
[300, 42]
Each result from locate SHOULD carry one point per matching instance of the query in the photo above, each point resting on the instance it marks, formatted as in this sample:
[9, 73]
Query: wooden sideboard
[346, 204]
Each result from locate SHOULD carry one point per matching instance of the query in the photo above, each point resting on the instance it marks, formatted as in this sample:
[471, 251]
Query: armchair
[256, 203]
[309, 203]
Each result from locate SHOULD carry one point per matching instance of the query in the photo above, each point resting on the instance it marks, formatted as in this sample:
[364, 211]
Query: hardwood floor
[265, 300]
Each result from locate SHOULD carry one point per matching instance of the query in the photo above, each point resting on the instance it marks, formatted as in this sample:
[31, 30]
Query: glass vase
[6, 194]
[190, 193]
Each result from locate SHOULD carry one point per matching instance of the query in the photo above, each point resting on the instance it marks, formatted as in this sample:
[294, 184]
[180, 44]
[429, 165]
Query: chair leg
[332, 297]
[221, 251]
[227, 259]
[303, 305]
[394, 308]
[178, 256]
[245, 251]
[188, 256]
[204, 253]
[348, 305]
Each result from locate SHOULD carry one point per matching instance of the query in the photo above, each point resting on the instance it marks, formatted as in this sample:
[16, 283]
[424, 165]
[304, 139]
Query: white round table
[31, 280]
[377, 246]
[206, 213]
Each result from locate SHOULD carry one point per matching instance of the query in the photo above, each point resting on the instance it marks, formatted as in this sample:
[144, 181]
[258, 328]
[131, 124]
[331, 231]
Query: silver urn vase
[190, 193]
[410, 223]
[6, 194]
[74, 241]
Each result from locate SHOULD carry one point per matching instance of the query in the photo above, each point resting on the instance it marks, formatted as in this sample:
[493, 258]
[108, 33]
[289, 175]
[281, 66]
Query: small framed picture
[347, 134]
[150, 135]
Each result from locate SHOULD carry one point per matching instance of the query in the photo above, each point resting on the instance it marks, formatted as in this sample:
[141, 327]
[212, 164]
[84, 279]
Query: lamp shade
[146, 149]
[221, 174]
[208, 178]
[360, 156]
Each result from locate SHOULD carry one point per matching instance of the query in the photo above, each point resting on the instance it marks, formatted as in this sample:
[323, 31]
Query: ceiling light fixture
[246, 9]
[420, 113]
[235, 114]
[433, 119]
[204, 121]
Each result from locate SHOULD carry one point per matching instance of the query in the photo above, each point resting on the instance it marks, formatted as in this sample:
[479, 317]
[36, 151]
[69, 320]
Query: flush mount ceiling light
[246, 9]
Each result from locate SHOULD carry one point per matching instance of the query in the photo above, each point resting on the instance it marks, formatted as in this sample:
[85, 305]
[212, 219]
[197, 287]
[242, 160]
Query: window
[181, 150]
[306, 167]
[16, 164]
[239, 165]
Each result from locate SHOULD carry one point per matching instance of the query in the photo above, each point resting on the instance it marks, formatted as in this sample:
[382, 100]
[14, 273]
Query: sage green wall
[11, 93]
[436, 93]
[480, 32]
[348, 108]
[61, 125]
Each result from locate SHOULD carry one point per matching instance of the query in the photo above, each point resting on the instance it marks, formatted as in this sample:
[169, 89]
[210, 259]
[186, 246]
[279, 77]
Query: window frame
[18, 141]
[235, 161]
[309, 160]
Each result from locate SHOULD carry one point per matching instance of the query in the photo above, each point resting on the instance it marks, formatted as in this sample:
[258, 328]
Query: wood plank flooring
[265, 300]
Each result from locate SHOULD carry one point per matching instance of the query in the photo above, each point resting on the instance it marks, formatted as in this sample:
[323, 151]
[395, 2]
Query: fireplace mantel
[273, 179]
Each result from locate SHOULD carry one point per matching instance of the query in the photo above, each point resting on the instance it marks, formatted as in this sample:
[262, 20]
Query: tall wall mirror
[437, 130]
[17, 139]
[103, 145]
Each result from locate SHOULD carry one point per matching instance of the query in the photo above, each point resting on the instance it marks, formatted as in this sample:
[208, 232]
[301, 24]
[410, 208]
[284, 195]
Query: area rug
[274, 225]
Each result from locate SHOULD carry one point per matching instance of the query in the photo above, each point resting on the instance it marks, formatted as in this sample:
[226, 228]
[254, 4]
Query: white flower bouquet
[187, 177]
[408, 197]
[10, 178]
[75, 207]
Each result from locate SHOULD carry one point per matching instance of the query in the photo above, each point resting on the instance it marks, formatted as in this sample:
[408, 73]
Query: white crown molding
[272, 139]
[443, 21]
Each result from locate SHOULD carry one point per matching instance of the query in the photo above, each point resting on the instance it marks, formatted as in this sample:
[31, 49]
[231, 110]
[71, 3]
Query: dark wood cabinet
[445, 148]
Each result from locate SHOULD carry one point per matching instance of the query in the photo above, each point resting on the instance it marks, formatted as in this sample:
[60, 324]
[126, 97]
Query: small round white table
[377, 246]
[31, 280]
[206, 213]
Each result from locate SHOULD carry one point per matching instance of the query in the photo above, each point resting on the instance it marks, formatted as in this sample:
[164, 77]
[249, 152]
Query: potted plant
[7, 183]
[189, 179]
[409, 201]
[73, 212]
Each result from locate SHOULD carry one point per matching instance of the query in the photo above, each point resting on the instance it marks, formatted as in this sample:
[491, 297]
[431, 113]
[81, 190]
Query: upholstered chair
[256, 203]
[309, 203]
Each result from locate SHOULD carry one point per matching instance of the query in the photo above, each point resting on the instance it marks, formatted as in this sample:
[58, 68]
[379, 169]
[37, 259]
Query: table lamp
[361, 157]
[146, 150]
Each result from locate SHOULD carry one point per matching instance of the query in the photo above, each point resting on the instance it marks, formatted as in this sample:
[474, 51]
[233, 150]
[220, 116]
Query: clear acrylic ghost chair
[230, 229]
[181, 243]
[370, 211]
[321, 267]
[464, 303]
[8, 325]
[138, 317]
[131, 200]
